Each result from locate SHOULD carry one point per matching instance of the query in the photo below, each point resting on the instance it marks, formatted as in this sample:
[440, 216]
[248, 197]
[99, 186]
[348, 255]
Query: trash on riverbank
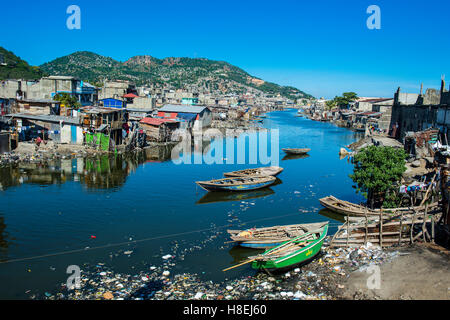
[319, 280]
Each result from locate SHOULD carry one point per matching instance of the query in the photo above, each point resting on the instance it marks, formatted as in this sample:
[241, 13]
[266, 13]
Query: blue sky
[322, 47]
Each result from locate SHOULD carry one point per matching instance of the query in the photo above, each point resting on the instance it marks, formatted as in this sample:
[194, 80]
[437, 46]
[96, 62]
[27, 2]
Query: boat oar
[240, 264]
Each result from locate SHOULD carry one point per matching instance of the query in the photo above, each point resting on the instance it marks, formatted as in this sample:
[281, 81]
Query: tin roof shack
[195, 117]
[137, 114]
[38, 106]
[104, 120]
[419, 144]
[159, 130]
[57, 128]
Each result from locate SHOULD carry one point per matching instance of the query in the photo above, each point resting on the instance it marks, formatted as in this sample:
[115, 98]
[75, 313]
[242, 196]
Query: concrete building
[413, 112]
[47, 87]
[116, 89]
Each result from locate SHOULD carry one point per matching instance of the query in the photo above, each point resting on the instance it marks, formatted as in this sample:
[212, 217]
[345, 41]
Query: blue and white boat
[269, 237]
[237, 183]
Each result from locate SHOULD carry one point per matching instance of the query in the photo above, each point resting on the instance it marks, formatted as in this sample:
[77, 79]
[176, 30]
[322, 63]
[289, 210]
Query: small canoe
[264, 238]
[263, 171]
[352, 209]
[296, 151]
[291, 253]
[237, 183]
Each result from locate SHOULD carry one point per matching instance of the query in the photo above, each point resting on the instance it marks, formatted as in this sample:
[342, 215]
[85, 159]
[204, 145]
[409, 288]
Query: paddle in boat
[296, 151]
[237, 183]
[264, 238]
[263, 171]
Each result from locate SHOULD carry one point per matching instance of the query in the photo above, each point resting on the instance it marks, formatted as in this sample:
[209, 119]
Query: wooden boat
[263, 171]
[264, 238]
[291, 253]
[296, 151]
[237, 183]
[347, 208]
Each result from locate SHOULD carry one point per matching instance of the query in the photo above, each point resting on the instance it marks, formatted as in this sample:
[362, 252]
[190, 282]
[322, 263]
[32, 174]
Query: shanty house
[106, 120]
[194, 117]
[159, 130]
[57, 128]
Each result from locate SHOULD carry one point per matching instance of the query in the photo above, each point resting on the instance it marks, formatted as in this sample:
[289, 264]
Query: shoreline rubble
[321, 279]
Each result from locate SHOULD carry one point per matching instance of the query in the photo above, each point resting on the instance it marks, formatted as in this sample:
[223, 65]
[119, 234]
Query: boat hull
[238, 187]
[256, 245]
[268, 171]
[296, 151]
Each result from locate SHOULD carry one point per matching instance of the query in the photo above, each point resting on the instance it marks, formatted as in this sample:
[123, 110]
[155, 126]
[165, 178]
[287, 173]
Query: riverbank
[413, 272]
[29, 152]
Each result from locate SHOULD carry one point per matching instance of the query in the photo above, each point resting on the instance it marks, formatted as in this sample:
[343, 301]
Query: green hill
[12, 67]
[179, 72]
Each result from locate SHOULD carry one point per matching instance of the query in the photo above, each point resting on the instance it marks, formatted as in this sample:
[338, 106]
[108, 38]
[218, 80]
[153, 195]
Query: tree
[68, 100]
[346, 98]
[330, 104]
[377, 172]
[350, 96]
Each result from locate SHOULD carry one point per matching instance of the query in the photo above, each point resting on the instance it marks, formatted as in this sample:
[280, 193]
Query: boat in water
[294, 252]
[237, 183]
[263, 171]
[268, 237]
[296, 150]
[347, 208]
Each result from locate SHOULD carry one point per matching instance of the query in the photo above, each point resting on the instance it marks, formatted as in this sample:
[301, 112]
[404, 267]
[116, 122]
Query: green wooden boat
[291, 253]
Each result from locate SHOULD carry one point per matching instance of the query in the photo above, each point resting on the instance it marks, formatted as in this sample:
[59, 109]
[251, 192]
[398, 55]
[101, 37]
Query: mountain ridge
[180, 72]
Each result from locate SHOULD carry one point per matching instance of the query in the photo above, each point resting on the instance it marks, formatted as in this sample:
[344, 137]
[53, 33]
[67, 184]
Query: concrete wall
[5, 145]
[143, 103]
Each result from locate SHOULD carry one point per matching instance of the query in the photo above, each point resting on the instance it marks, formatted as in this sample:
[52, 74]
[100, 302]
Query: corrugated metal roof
[46, 118]
[182, 108]
[156, 121]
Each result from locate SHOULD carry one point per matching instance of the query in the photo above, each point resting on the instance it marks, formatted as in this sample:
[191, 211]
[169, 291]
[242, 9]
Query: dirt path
[419, 272]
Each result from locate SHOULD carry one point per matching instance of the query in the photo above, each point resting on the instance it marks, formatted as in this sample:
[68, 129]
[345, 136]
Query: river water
[89, 211]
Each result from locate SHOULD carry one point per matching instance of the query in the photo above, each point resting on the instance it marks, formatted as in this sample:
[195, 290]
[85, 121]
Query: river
[89, 211]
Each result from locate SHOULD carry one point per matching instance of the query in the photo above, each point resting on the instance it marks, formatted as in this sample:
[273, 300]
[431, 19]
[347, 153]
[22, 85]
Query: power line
[140, 240]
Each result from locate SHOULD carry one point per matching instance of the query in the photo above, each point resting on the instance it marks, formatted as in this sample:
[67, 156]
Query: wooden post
[401, 229]
[432, 228]
[424, 224]
[412, 227]
[381, 228]
[348, 229]
[367, 226]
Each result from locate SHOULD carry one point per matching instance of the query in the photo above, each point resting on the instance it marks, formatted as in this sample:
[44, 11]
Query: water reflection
[333, 215]
[98, 172]
[240, 254]
[212, 197]
[158, 153]
[295, 156]
[4, 243]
